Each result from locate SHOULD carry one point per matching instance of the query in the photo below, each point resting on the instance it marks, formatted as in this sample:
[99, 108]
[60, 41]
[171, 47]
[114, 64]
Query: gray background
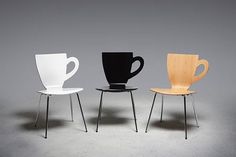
[149, 28]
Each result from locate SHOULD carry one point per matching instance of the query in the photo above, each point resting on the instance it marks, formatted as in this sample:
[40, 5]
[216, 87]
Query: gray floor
[84, 29]
[117, 137]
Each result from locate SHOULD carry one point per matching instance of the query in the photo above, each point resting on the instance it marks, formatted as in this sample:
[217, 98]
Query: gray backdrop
[85, 28]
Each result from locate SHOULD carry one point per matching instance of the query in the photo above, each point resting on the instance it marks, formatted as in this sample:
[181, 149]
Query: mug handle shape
[140, 59]
[204, 72]
[76, 67]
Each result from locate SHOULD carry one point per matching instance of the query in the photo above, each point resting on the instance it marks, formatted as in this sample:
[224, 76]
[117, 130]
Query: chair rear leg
[38, 113]
[194, 111]
[71, 109]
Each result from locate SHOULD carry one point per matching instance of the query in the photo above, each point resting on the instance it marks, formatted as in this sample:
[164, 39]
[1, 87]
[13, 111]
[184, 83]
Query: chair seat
[60, 91]
[108, 89]
[172, 91]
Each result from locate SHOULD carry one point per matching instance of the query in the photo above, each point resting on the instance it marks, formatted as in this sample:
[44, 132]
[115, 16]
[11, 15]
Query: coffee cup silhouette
[52, 69]
[117, 67]
[182, 68]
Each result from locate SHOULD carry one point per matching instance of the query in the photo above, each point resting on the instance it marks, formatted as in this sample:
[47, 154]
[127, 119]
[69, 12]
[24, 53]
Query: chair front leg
[185, 117]
[86, 130]
[99, 111]
[46, 127]
[135, 121]
[151, 111]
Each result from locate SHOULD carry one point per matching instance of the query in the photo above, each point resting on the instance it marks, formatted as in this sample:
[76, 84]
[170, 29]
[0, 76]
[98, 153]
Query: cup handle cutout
[204, 72]
[140, 59]
[76, 67]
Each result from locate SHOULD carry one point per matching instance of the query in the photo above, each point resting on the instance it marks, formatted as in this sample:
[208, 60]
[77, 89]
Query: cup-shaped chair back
[117, 67]
[52, 69]
[182, 68]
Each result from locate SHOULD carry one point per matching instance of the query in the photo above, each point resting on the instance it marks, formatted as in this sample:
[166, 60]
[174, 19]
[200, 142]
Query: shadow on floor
[174, 121]
[30, 117]
[109, 116]
[171, 124]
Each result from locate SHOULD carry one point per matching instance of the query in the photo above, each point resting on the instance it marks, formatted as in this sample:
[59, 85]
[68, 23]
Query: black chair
[117, 67]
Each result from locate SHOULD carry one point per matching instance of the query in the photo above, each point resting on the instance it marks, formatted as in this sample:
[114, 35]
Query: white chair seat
[60, 91]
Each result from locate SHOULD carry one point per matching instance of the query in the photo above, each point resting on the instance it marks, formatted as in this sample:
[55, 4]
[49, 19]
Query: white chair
[52, 71]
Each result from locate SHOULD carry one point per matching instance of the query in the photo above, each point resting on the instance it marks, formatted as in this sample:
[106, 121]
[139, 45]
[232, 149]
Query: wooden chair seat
[172, 91]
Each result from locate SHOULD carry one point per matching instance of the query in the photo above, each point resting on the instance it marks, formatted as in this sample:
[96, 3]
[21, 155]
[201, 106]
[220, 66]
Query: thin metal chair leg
[185, 118]
[195, 113]
[82, 112]
[162, 102]
[151, 111]
[71, 109]
[46, 127]
[99, 111]
[135, 121]
[38, 113]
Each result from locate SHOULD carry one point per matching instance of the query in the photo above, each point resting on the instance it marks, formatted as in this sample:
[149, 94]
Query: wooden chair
[181, 71]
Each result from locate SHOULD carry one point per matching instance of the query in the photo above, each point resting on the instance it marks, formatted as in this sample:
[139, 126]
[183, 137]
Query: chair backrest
[52, 69]
[182, 67]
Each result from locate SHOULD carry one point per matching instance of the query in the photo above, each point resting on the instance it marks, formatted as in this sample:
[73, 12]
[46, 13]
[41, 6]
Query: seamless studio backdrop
[86, 28]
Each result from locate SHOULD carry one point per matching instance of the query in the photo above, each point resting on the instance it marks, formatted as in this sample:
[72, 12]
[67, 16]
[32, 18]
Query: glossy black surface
[108, 89]
[117, 67]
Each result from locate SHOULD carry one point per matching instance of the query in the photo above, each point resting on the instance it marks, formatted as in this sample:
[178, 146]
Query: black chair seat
[108, 89]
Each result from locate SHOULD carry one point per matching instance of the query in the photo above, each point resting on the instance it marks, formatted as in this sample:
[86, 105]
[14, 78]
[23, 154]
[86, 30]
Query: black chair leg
[135, 121]
[99, 111]
[82, 112]
[151, 111]
[71, 109]
[194, 111]
[46, 127]
[162, 102]
[185, 118]
[38, 113]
